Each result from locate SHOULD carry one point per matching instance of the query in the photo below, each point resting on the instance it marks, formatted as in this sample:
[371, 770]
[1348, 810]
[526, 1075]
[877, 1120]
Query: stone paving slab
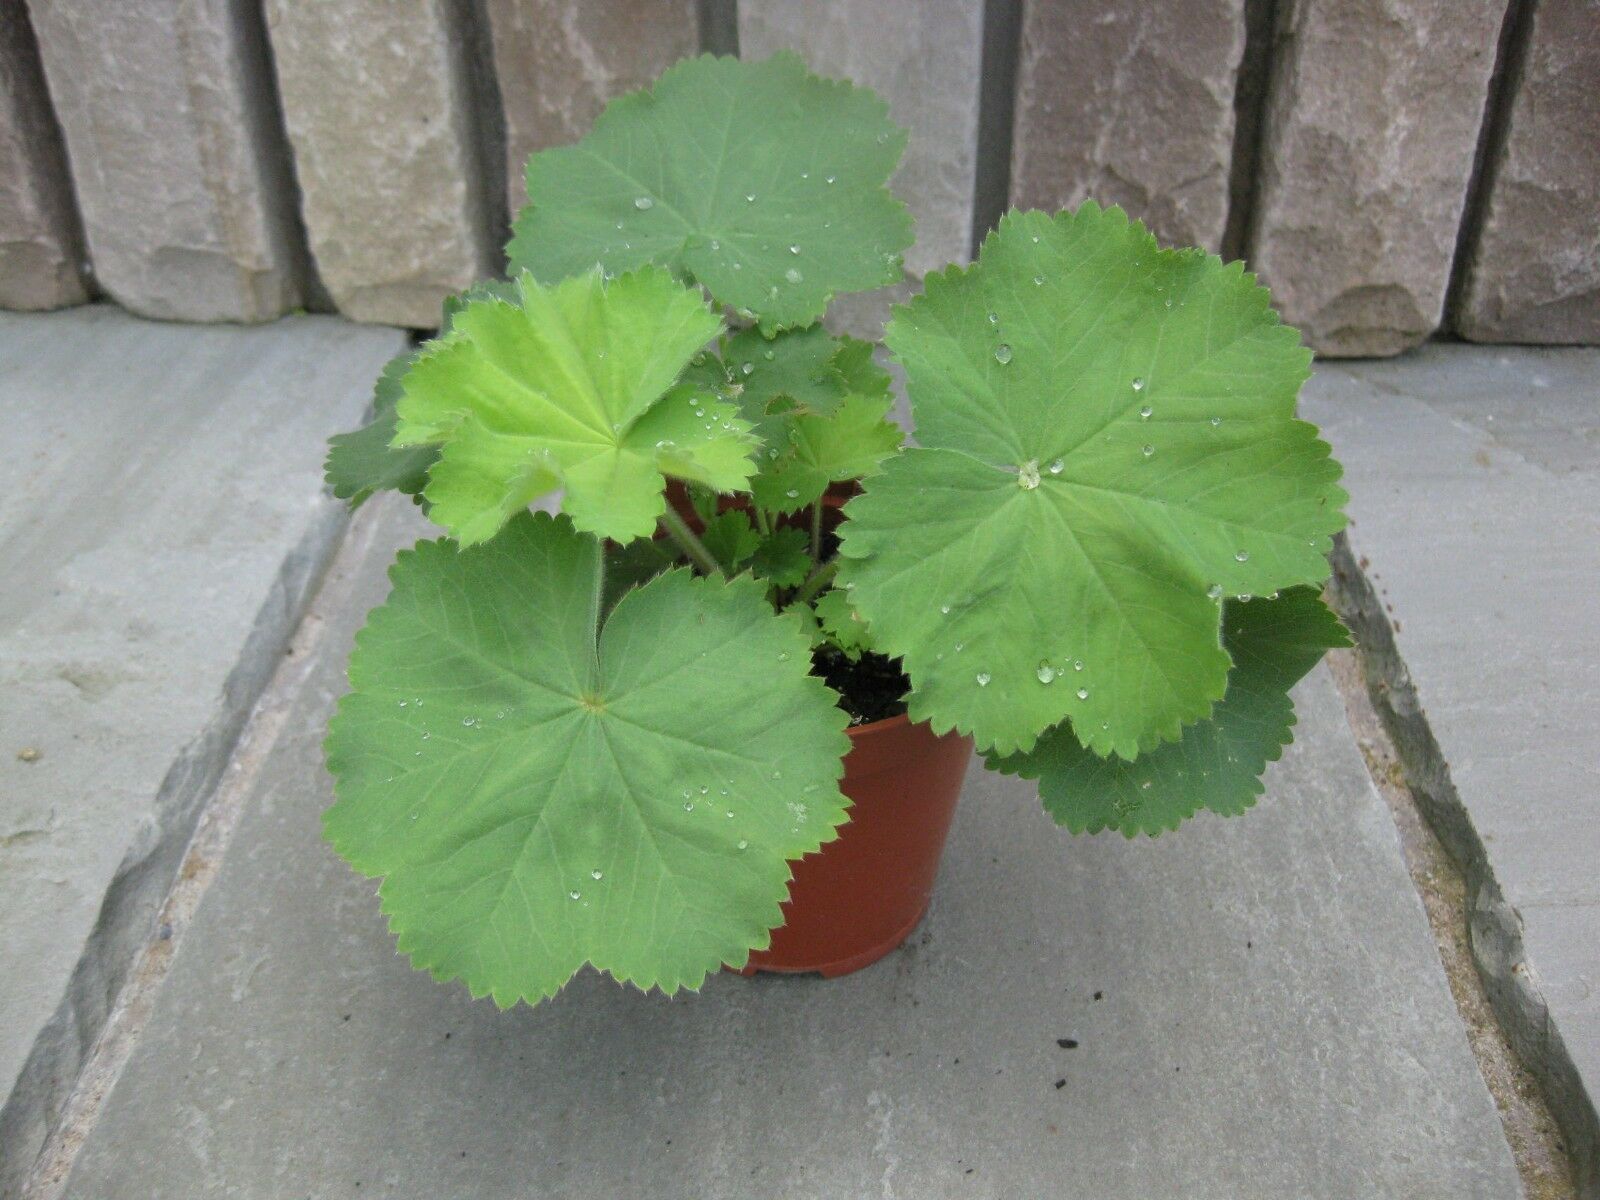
[1258, 1008]
[1475, 476]
[161, 522]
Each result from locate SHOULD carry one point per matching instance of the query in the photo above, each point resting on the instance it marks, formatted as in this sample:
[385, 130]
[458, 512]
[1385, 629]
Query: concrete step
[1473, 573]
[1255, 1006]
[161, 524]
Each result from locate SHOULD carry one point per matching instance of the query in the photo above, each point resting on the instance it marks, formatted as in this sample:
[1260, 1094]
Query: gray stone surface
[1370, 132]
[560, 61]
[39, 253]
[1132, 106]
[1535, 274]
[1475, 477]
[924, 57]
[1271, 1021]
[162, 520]
[179, 173]
[376, 102]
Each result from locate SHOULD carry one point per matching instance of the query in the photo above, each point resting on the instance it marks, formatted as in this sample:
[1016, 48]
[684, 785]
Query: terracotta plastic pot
[865, 891]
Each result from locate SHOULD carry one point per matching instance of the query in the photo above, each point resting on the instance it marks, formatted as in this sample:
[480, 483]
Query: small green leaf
[758, 179]
[629, 566]
[1108, 440]
[839, 621]
[784, 557]
[849, 444]
[540, 788]
[362, 462]
[731, 539]
[1218, 762]
[568, 387]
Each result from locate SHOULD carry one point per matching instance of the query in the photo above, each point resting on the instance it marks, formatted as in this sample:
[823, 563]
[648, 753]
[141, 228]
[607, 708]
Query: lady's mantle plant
[598, 737]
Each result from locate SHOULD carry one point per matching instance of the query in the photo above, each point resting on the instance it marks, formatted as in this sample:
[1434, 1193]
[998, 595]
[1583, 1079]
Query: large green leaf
[1218, 762]
[1108, 443]
[568, 387]
[758, 179]
[541, 788]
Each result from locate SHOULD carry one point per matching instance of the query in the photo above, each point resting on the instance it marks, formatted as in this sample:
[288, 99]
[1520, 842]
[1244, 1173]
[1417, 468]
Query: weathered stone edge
[141, 882]
[1494, 928]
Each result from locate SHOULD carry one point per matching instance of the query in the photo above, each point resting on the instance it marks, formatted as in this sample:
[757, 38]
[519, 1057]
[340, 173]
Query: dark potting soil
[872, 688]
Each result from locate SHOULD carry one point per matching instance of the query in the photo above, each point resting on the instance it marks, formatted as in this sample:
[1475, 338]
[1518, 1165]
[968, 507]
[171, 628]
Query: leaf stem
[678, 530]
[763, 522]
[816, 532]
[817, 580]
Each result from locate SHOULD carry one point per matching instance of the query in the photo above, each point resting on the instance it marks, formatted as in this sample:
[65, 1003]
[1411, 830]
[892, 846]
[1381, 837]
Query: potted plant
[609, 733]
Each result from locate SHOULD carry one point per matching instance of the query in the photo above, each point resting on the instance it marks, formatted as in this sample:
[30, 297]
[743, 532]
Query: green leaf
[839, 622]
[1219, 761]
[633, 564]
[362, 462]
[542, 790]
[758, 179]
[784, 557]
[568, 387]
[1108, 440]
[849, 444]
[731, 539]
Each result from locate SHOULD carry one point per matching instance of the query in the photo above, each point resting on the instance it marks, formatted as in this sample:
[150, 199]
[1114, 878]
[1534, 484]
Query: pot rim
[873, 728]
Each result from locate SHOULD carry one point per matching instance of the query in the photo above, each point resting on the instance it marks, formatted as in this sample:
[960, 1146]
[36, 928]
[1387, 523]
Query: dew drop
[994, 318]
[1083, 693]
[945, 609]
[1058, 466]
[1028, 475]
[768, 355]
[1077, 664]
[793, 276]
[747, 368]
[743, 845]
[1038, 281]
[1046, 672]
[1242, 556]
[1216, 421]
[784, 657]
[596, 874]
[573, 895]
[1002, 354]
[643, 203]
[831, 178]
[1148, 450]
[1214, 591]
[688, 806]
[793, 494]
[704, 790]
[983, 678]
[1144, 413]
[750, 197]
[793, 249]
[1138, 384]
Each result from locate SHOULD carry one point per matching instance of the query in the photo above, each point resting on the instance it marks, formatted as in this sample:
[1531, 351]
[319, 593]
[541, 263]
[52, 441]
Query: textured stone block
[39, 252]
[1371, 129]
[925, 59]
[559, 61]
[162, 522]
[1130, 105]
[180, 176]
[1535, 271]
[378, 111]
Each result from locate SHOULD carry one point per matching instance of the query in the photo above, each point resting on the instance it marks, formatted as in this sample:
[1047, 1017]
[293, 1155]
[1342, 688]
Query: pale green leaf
[838, 619]
[758, 179]
[1217, 764]
[538, 795]
[569, 387]
[1108, 440]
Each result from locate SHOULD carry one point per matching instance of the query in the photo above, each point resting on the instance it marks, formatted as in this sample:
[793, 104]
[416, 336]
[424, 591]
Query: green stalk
[763, 522]
[818, 579]
[678, 530]
[816, 533]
